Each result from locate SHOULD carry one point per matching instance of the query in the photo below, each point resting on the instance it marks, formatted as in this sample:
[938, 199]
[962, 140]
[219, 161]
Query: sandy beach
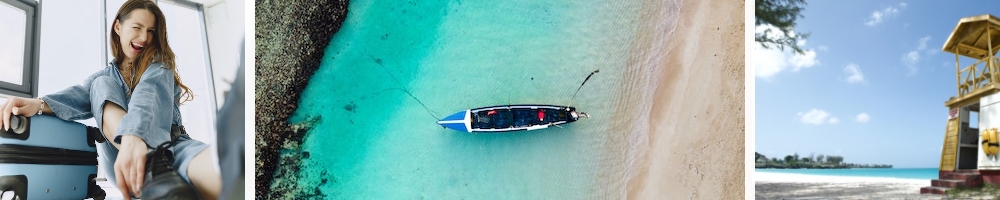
[798, 186]
[696, 120]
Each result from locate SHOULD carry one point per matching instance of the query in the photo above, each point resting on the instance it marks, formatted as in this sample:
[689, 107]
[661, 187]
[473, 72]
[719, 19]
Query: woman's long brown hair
[157, 51]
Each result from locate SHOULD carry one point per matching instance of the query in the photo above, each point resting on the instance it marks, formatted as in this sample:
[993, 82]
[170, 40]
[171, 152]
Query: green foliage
[812, 162]
[781, 14]
[835, 159]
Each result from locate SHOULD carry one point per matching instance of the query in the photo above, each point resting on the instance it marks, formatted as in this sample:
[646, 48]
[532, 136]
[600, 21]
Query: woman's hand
[130, 166]
[18, 106]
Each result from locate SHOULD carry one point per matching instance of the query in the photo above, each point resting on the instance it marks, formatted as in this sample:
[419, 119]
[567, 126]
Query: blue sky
[872, 86]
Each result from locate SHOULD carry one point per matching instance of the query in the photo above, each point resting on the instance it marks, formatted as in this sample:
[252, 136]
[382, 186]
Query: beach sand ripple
[799, 186]
[695, 141]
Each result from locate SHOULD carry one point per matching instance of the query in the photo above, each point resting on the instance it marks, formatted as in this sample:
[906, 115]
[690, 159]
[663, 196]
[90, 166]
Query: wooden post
[958, 73]
[989, 51]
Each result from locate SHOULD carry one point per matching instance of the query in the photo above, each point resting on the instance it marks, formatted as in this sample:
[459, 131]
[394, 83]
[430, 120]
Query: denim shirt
[150, 109]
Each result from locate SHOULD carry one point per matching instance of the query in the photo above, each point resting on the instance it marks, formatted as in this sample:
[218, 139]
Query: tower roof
[970, 36]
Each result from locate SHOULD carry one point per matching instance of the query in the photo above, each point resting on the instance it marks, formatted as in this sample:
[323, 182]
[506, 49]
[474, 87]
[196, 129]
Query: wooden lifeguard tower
[963, 163]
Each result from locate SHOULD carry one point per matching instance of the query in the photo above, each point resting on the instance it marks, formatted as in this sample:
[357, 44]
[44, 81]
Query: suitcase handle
[19, 128]
[16, 183]
[94, 135]
[18, 123]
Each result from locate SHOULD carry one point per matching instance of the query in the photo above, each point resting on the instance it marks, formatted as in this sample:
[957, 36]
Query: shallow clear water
[908, 173]
[376, 142]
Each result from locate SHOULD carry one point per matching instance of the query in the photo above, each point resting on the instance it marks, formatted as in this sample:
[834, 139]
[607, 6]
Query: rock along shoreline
[291, 37]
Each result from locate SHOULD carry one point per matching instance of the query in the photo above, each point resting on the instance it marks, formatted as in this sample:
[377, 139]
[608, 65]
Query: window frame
[206, 48]
[29, 75]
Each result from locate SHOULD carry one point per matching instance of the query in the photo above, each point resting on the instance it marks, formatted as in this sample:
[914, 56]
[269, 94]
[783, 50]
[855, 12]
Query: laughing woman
[135, 102]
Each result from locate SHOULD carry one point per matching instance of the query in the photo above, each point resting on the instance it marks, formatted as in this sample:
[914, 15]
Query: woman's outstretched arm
[145, 125]
[72, 103]
[20, 106]
[131, 155]
[150, 108]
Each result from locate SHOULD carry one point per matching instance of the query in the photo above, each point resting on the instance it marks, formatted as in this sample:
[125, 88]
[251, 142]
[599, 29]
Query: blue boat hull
[458, 121]
[506, 118]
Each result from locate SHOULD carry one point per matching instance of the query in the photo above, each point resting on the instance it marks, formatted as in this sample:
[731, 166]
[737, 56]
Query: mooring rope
[400, 84]
[581, 86]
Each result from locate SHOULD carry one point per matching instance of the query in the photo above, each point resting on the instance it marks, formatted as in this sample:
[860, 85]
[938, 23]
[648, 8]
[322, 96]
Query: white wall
[224, 20]
[989, 113]
[70, 45]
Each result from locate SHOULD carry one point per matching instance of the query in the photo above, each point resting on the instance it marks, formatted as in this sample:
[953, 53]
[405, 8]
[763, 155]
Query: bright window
[17, 47]
[185, 30]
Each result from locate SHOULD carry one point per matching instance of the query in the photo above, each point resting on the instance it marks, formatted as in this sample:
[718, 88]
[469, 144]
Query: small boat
[506, 118]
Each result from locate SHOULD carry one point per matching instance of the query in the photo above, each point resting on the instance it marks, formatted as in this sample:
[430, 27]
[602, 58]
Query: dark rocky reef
[287, 182]
[291, 37]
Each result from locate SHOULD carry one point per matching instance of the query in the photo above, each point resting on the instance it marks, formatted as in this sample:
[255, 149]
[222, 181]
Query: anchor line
[394, 79]
[581, 86]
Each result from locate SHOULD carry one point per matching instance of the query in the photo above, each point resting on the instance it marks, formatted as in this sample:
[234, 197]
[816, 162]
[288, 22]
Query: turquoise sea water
[908, 173]
[375, 141]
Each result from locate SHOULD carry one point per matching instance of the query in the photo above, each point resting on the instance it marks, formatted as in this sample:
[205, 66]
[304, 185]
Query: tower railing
[981, 74]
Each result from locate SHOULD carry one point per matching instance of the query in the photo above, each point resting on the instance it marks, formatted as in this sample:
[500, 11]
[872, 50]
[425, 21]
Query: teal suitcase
[44, 157]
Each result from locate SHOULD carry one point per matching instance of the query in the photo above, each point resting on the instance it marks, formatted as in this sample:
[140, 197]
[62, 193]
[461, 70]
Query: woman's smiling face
[135, 32]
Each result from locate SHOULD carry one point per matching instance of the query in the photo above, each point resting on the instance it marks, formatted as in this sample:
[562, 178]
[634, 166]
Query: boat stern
[460, 121]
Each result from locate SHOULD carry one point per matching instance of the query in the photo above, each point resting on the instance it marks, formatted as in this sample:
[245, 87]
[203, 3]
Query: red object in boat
[541, 115]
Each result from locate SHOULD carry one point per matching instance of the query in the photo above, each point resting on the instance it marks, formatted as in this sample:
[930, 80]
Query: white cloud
[878, 16]
[923, 42]
[912, 58]
[768, 62]
[814, 116]
[863, 118]
[922, 45]
[854, 74]
[834, 120]
[823, 48]
[806, 60]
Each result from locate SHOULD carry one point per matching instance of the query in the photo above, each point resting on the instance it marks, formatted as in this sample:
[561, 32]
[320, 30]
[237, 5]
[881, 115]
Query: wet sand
[696, 121]
[290, 39]
[797, 186]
